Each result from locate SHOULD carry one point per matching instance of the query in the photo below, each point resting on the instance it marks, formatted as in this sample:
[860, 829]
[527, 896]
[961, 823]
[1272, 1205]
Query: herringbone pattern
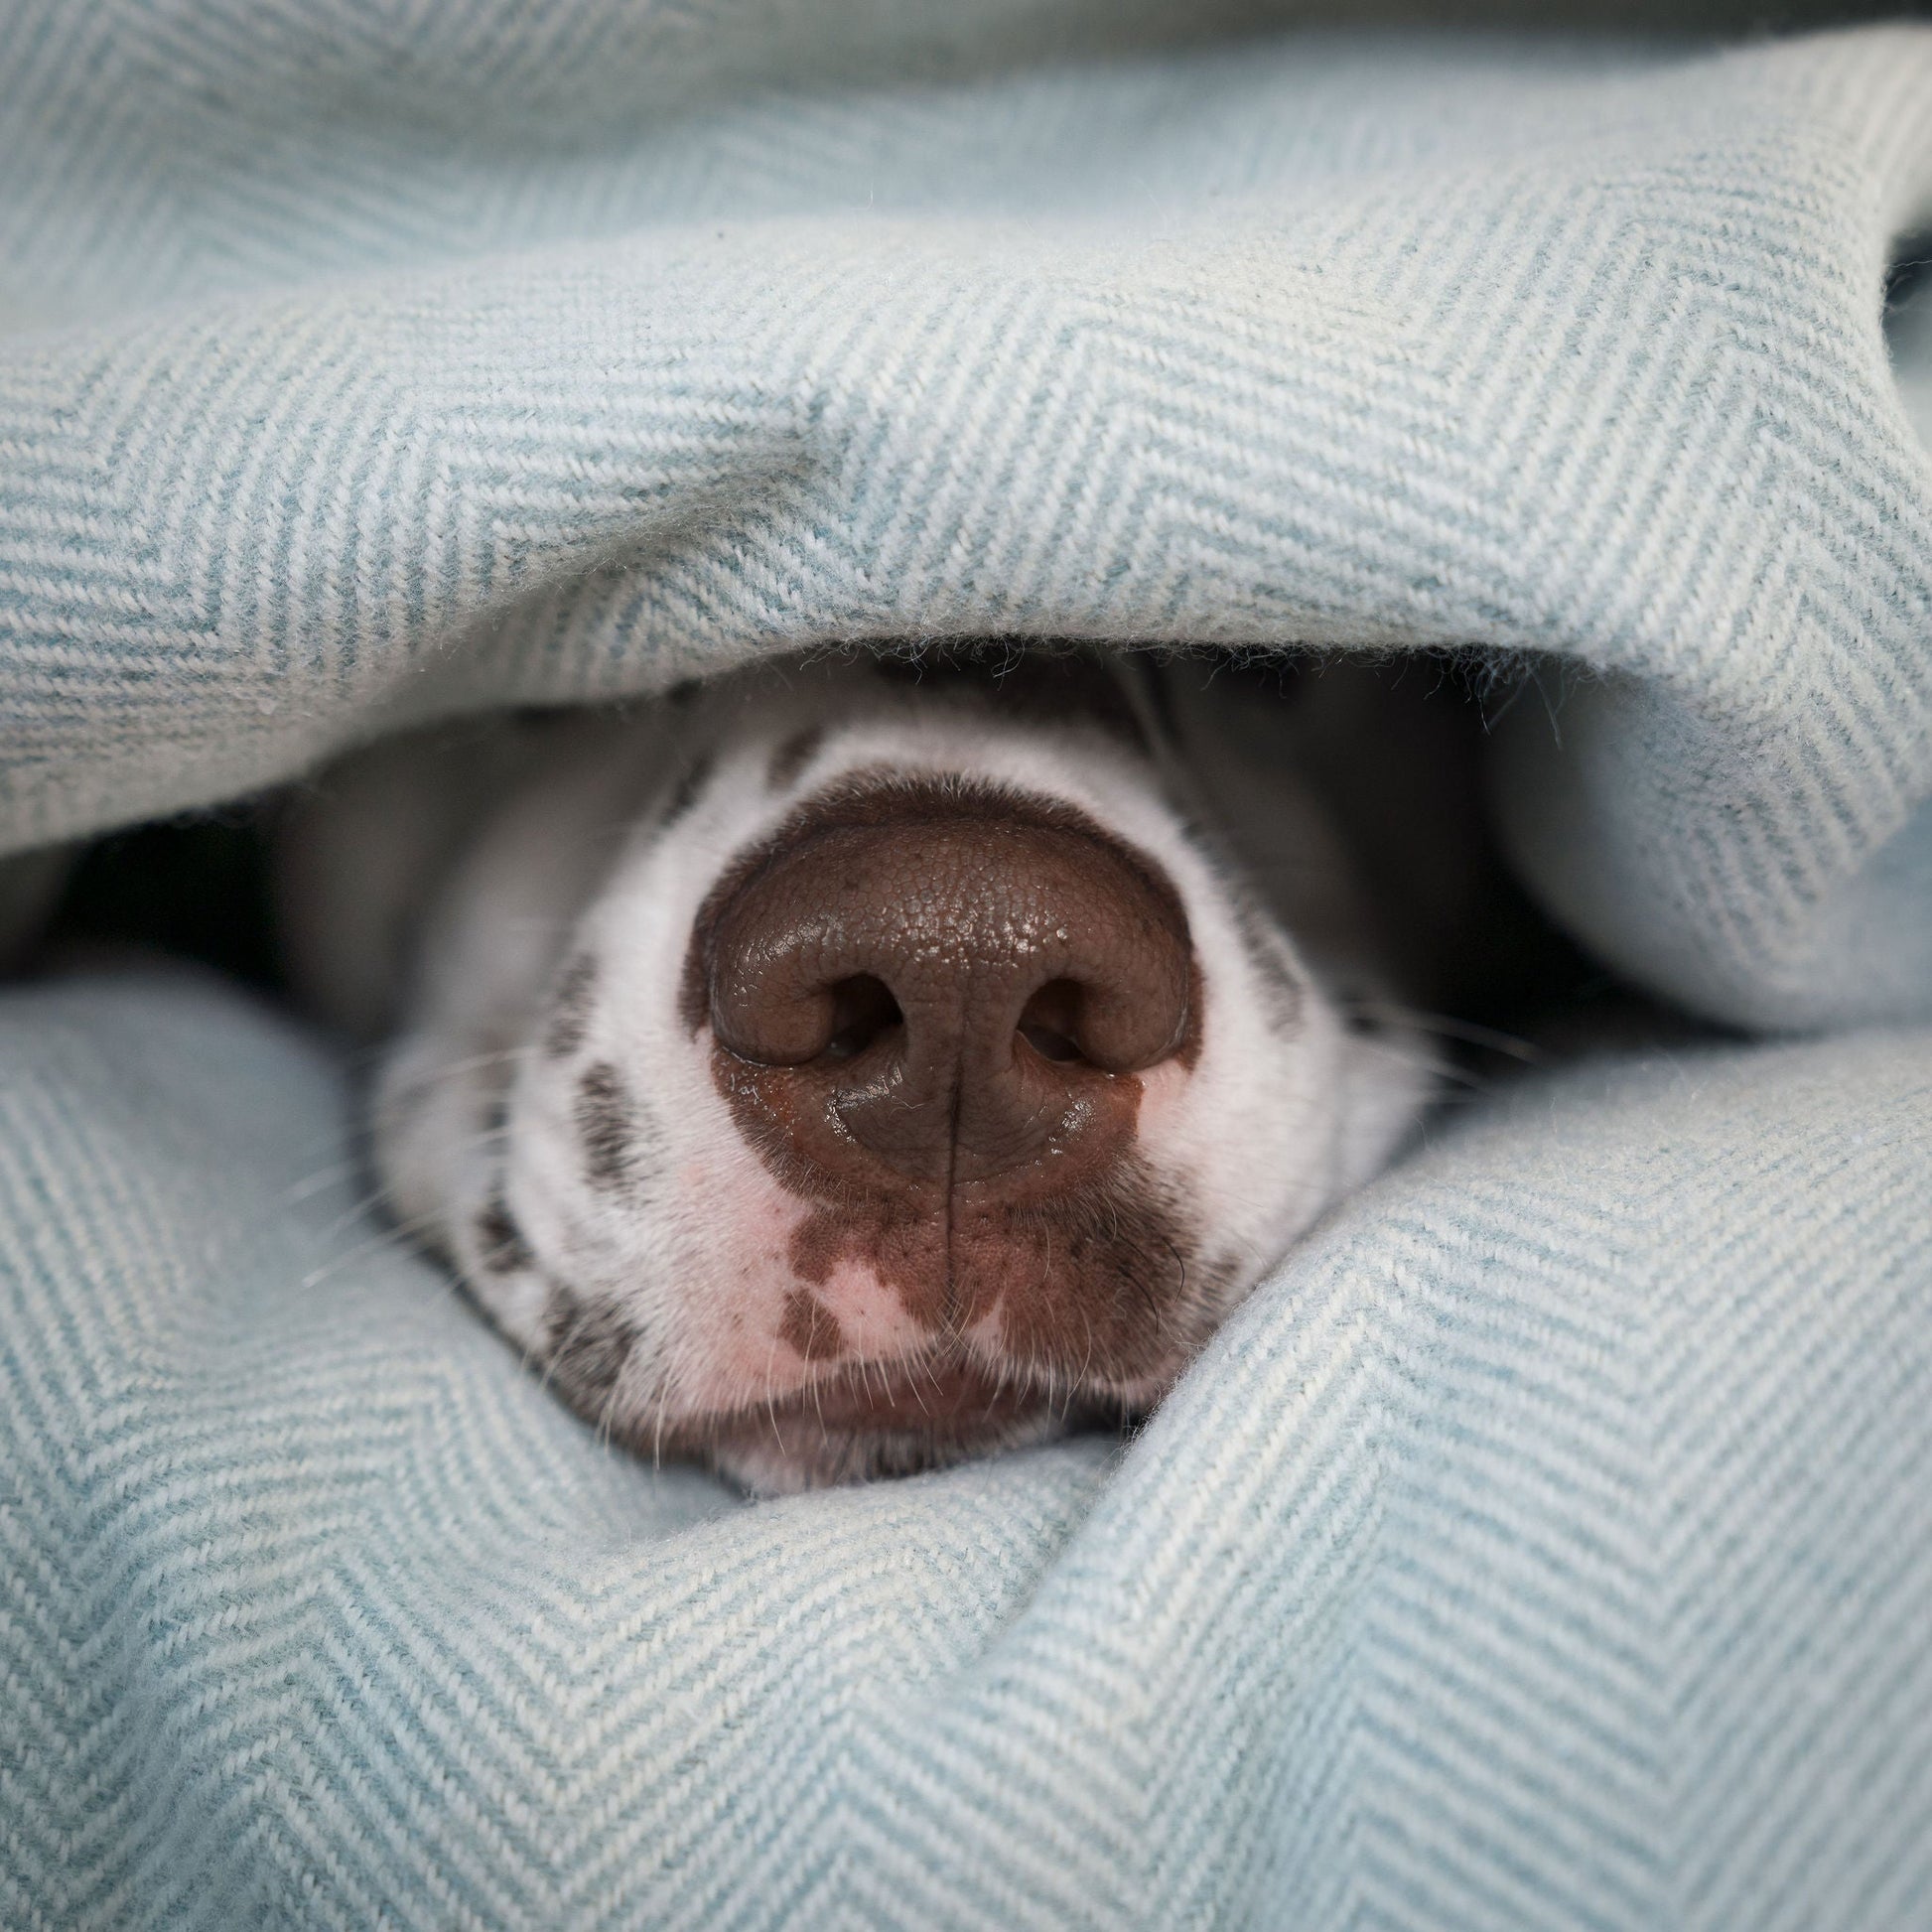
[1548, 1545]
[364, 389]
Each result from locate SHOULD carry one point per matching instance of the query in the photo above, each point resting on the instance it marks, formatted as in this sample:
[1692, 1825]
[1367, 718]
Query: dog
[846, 1067]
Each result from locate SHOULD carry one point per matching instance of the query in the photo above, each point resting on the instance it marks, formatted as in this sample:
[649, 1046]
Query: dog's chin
[888, 1420]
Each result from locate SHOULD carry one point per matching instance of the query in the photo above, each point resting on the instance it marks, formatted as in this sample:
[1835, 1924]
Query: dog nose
[949, 998]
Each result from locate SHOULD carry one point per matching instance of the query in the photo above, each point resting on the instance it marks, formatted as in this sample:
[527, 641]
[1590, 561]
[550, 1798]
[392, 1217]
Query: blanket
[1549, 1542]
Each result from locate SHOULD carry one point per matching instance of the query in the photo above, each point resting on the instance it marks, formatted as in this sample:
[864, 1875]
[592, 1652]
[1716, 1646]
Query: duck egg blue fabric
[1549, 1543]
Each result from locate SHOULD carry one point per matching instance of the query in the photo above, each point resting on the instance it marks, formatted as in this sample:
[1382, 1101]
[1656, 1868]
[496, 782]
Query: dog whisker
[1444, 1027]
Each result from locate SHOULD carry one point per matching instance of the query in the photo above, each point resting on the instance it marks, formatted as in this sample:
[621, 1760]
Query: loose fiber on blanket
[1549, 1542]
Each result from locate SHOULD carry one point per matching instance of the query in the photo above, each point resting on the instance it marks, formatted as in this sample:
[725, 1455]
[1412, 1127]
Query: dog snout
[950, 997]
[937, 1009]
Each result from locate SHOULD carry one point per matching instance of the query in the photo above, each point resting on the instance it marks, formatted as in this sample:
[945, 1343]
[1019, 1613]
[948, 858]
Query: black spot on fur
[495, 1113]
[792, 756]
[570, 1012]
[604, 1125]
[504, 1248]
[587, 1344]
[684, 794]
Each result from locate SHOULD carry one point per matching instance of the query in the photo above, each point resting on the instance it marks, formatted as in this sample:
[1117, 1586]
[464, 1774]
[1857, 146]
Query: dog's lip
[950, 1398]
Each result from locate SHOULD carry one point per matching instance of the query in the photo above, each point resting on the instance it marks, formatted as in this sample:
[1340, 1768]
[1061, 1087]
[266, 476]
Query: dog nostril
[1049, 1022]
[943, 993]
[863, 1011]
[1051, 1046]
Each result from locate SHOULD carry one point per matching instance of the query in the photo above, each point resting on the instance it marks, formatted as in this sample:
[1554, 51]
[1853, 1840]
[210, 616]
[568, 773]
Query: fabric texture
[1549, 1545]
[1550, 1542]
[366, 367]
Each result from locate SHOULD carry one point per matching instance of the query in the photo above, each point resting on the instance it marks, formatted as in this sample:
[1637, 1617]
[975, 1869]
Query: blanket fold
[1549, 1542]
[322, 418]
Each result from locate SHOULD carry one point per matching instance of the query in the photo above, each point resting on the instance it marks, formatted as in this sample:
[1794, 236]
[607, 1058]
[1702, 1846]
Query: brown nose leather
[946, 985]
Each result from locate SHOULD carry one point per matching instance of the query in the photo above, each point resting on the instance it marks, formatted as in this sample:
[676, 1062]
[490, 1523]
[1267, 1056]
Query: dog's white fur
[439, 887]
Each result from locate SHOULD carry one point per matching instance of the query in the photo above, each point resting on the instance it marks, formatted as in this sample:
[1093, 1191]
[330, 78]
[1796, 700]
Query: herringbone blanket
[1550, 1542]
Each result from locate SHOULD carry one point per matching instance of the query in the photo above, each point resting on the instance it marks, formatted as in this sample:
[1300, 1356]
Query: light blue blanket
[1550, 1542]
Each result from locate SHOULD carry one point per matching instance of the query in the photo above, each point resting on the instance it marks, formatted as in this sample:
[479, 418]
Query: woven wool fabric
[1549, 1545]
[1550, 1542]
[369, 364]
